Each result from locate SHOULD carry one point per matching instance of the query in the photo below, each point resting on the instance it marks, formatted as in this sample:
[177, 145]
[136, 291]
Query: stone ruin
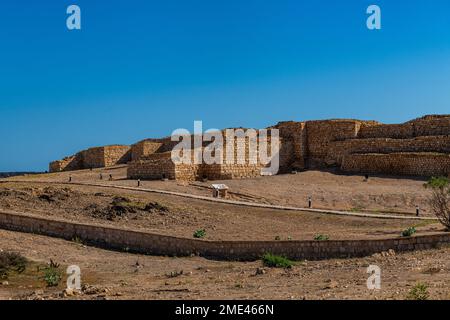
[97, 157]
[420, 147]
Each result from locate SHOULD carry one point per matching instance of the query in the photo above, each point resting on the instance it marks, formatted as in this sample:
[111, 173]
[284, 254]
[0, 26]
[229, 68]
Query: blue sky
[141, 69]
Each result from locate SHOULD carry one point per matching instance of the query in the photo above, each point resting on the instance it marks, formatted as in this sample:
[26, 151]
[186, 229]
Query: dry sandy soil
[114, 275]
[328, 190]
[118, 275]
[176, 216]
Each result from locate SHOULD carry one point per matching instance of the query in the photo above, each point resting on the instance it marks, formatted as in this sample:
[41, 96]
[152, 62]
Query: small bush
[277, 238]
[155, 206]
[11, 261]
[409, 232]
[321, 237]
[440, 199]
[274, 261]
[52, 274]
[77, 240]
[201, 233]
[419, 292]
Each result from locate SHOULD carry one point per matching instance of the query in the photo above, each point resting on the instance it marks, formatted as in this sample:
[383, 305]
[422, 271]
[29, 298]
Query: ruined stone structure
[151, 164]
[97, 157]
[420, 147]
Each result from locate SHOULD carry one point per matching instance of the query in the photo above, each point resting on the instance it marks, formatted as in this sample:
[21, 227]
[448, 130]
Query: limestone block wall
[93, 158]
[339, 149]
[152, 167]
[425, 126]
[116, 154]
[144, 148]
[97, 157]
[74, 162]
[411, 164]
[395, 131]
[432, 126]
[321, 134]
[155, 244]
[303, 145]
[106, 156]
[293, 145]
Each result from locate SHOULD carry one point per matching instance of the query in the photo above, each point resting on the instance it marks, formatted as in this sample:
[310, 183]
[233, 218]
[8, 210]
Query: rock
[260, 271]
[331, 284]
[91, 290]
[5, 283]
[68, 292]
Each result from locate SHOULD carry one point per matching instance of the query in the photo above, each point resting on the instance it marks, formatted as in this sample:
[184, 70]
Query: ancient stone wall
[303, 145]
[293, 145]
[339, 149]
[74, 162]
[155, 244]
[321, 134]
[117, 154]
[144, 148]
[152, 167]
[411, 164]
[97, 157]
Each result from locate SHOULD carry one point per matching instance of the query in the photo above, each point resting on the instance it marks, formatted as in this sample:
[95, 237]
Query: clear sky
[142, 68]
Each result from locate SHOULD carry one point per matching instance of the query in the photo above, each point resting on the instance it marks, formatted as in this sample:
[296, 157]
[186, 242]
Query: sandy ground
[328, 190]
[129, 276]
[119, 275]
[182, 217]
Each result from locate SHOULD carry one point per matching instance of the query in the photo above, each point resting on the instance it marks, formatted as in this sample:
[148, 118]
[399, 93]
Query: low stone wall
[153, 244]
[411, 164]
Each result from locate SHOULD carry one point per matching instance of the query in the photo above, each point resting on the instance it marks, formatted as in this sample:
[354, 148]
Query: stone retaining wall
[147, 243]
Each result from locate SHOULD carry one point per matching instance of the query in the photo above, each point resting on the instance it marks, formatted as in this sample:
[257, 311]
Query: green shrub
[321, 237]
[274, 261]
[201, 233]
[409, 232]
[11, 261]
[439, 199]
[437, 182]
[419, 292]
[277, 238]
[52, 274]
